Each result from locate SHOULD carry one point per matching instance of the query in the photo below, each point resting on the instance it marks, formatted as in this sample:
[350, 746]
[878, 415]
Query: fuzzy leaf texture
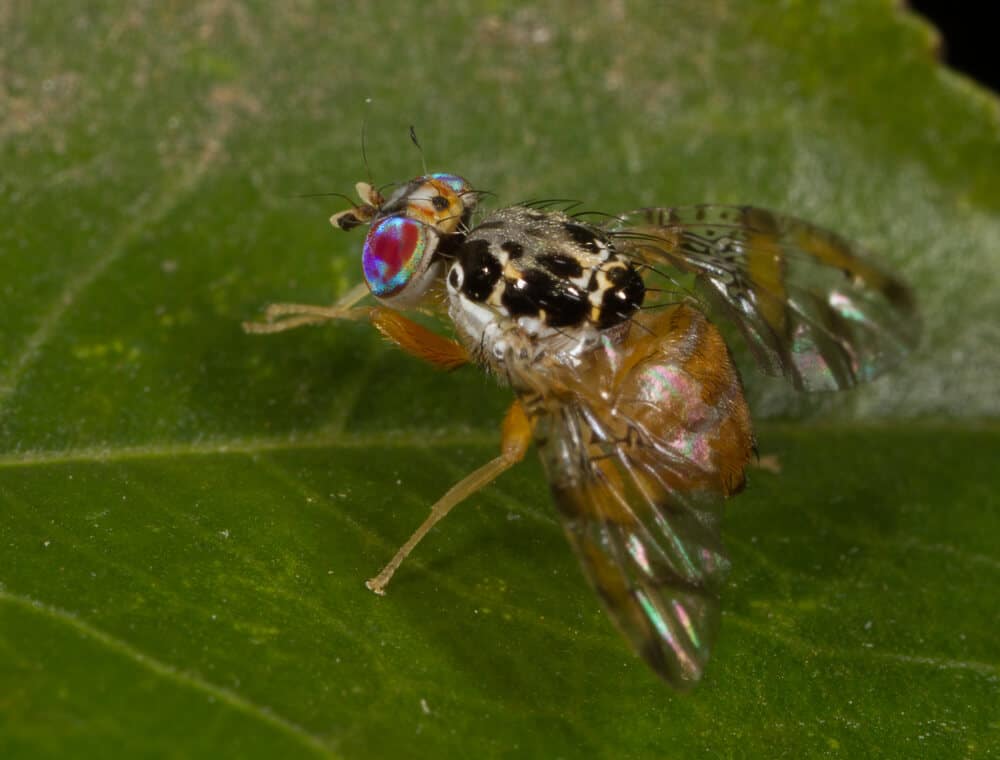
[187, 513]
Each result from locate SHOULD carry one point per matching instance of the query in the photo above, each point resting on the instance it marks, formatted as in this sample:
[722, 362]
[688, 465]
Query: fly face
[400, 259]
[606, 335]
[441, 201]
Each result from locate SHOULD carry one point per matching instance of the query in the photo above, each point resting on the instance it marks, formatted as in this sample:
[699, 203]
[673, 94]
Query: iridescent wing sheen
[809, 305]
[655, 559]
[640, 452]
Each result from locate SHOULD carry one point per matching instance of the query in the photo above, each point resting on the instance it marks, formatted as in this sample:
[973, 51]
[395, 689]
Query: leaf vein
[141, 219]
[162, 669]
[799, 644]
[248, 446]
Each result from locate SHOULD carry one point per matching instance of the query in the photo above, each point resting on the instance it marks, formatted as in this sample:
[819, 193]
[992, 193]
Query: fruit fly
[607, 334]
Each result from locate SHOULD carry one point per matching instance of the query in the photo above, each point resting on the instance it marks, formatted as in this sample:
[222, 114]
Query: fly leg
[514, 442]
[768, 463]
[285, 316]
[413, 338]
[416, 340]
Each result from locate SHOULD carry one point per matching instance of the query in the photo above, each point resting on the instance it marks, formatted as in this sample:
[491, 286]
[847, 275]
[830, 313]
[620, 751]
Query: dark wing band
[654, 557]
[640, 449]
[810, 307]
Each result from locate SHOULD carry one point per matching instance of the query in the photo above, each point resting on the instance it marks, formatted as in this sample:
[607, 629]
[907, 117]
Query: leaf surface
[187, 513]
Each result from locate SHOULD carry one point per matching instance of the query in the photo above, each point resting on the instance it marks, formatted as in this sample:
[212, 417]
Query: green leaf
[187, 513]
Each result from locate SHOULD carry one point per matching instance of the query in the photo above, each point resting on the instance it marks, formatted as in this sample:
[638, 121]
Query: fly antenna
[415, 141]
[326, 195]
[364, 146]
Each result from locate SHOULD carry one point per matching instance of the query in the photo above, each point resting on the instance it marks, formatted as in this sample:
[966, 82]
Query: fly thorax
[527, 284]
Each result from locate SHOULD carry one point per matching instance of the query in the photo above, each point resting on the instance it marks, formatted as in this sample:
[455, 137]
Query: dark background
[969, 39]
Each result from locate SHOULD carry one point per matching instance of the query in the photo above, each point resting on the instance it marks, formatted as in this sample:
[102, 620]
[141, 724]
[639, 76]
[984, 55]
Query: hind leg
[516, 437]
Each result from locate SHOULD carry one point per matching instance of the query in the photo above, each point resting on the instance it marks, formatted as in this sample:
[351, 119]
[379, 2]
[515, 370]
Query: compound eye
[397, 260]
[458, 185]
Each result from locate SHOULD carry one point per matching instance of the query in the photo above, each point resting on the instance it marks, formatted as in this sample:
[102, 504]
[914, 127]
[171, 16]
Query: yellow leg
[417, 340]
[284, 316]
[414, 339]
[768, 463]
[515, 439]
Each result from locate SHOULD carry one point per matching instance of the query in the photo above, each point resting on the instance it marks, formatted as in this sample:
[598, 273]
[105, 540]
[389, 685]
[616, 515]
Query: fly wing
[639, 454]
[811, 307]
[654, 555]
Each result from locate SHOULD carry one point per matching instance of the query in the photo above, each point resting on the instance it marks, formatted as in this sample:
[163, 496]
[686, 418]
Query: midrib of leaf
[250, 446]
[799, 647]
[334, 437]
[527, 617]
[416, 439]
[148, 212]
[309, 740]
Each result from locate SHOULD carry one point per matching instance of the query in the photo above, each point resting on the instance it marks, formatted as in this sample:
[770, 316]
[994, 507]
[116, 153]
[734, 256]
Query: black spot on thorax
[581, 235]
[623, 298]
[566, 307]
[514, 250]
[482, 269]
[560, 264]
[521, 295]
[494, 225]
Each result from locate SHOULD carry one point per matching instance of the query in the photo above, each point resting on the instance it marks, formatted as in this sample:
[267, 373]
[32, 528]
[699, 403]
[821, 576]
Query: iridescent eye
[397, 260]
[459, 186]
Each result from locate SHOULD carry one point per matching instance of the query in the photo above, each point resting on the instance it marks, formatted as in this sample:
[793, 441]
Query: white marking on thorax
[493, 337]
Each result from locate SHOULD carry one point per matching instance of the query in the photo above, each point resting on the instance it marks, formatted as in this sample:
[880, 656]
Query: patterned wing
[640, 450]
[810, 307]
